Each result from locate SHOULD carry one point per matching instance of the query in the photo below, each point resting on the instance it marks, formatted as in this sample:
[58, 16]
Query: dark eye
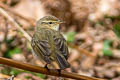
[49, 22]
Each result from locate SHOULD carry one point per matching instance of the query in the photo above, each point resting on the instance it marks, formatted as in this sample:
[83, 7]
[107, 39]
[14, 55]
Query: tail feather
[62, 61]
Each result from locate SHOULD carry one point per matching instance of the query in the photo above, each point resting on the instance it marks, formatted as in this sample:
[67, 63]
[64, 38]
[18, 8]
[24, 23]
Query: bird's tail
[62, 62]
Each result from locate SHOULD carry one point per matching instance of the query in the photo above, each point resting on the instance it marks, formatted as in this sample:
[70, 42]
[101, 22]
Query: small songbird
[48, 43]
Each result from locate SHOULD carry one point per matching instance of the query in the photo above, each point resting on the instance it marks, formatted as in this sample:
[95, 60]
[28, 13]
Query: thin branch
[37, 69]
[6, 7]
[81, 50]
[6, 30]
[5, 14]
[52, 72]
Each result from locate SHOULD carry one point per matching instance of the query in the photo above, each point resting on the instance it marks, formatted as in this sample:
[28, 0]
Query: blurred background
[92, 30]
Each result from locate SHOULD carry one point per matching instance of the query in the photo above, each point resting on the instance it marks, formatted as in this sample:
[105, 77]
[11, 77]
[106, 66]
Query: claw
[59, 71]
[46, 66]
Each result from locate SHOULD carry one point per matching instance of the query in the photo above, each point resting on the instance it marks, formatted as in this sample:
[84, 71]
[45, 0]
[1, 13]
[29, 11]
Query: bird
[48, 44]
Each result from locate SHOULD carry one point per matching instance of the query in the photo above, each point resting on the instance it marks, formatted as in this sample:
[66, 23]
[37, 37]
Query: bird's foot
[59, 71]
[46, 66]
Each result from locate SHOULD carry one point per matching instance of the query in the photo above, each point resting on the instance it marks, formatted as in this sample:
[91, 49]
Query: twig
[4, 13]
[82, 50]
[37, 69]
[52, 72]
[6, 7]
[6, 30]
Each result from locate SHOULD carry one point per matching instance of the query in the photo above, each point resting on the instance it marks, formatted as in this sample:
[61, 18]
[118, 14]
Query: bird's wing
[41, 48]
[61, 45]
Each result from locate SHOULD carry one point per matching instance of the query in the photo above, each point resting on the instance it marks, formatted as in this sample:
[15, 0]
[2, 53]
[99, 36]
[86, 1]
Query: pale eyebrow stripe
[49, 21]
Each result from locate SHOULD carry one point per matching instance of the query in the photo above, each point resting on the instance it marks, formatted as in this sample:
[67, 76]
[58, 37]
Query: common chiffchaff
[48, 43]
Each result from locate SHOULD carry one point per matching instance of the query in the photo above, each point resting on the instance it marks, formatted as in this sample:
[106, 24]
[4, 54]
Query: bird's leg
[46, 66]
[59, 71]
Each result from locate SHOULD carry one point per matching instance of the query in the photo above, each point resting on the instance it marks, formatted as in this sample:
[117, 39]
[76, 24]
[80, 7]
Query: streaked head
[50, 22]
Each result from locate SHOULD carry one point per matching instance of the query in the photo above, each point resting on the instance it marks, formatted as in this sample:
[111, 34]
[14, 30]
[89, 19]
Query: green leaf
[107, 44]
[100, 22]
[40, 75]
[5, 71]
[8, 41]
[112, 17]
[36, 74]
[12, 52]
[106, 48]
[107, 52]
[116, 29]
[70, 36]
[15, 71]
[28, 77]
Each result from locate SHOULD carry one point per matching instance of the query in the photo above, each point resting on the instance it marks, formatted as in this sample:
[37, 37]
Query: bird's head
[49, 22]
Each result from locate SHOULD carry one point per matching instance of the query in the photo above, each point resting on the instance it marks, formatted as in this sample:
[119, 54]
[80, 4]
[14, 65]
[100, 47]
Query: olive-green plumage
[48, 43]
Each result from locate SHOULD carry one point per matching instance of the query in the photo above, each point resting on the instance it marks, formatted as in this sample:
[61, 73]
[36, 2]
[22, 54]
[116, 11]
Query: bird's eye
[49, 22]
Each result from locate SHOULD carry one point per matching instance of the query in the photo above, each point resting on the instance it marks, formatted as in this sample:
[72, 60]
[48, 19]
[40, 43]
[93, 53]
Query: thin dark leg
[59, 72]
[46, 66]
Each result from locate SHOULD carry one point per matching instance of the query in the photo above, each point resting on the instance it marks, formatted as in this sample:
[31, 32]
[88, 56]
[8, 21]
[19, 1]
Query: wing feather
[61, 45]
[42, 48]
